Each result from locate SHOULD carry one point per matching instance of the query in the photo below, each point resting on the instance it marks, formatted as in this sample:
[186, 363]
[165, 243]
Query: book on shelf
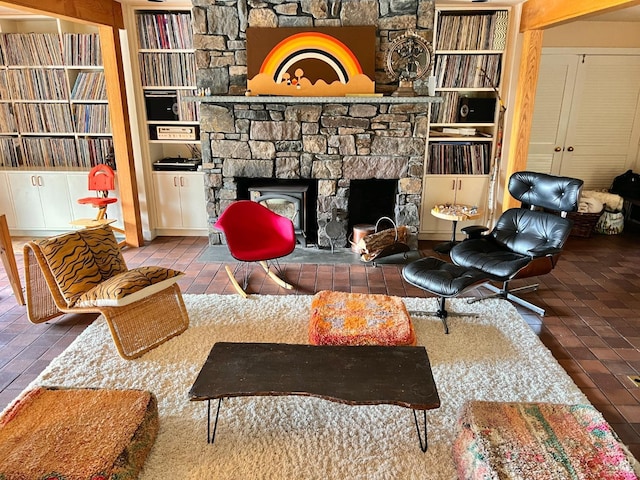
[465, 131]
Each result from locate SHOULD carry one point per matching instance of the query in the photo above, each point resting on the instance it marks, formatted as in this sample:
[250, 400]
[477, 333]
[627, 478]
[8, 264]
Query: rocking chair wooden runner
[84, 272]
[256, 234]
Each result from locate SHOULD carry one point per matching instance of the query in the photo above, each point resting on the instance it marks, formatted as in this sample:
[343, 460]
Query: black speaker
[161, 105]
[476, 110]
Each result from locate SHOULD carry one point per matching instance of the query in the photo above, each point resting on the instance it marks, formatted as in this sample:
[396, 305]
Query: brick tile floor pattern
[592, 323]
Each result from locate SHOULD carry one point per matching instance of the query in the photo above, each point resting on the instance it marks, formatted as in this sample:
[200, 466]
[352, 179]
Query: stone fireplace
[330, 141]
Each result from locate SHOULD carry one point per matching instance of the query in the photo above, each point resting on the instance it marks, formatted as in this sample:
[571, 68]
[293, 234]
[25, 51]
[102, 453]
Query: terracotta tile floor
[592, 324]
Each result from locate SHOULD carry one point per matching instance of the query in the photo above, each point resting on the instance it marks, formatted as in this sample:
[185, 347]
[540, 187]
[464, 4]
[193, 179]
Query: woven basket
[583, 223]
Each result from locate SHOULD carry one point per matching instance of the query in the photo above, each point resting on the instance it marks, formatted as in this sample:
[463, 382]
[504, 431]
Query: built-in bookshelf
[167, 71]
[469, 51]
[53, 103]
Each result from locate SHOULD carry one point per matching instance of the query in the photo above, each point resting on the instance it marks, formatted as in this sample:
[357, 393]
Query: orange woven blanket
[339, 318]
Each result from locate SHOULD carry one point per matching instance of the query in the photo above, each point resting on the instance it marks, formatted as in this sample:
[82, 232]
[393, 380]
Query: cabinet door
[554, 92]
[54, 200]
[604, 130]
[192, 201]
[26, 200]
[6, 203]
[167, 195]
[474, 191]
[438, 189]
[78, 188]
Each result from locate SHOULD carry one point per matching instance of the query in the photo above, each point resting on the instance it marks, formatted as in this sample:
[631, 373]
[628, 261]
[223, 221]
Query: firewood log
[371, 245]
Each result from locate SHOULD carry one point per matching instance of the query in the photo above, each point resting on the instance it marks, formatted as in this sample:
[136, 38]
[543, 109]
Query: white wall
[593, 34]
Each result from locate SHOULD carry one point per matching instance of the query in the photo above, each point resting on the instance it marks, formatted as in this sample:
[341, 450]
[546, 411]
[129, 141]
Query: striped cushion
[106, 252]
[72, 264]
[129, 287]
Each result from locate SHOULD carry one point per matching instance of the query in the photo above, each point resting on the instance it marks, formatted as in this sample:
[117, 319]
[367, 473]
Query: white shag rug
[494, 357]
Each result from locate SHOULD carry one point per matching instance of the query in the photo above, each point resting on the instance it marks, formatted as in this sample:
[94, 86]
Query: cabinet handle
[182, 181]
[33, 181]
[557, 149]
[570, 149]
[459, 184]
[39, 181]
[453, 185]
[175, 181]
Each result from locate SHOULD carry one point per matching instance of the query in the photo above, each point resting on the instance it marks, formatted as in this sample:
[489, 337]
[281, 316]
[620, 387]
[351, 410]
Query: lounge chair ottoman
[77, 433]
[339, 318]
[537, 441]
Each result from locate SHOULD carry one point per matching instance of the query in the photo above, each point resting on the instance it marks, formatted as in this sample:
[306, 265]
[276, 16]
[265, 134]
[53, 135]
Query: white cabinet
[459, 189]
[586, 121]
[180, 200]
[40, 200]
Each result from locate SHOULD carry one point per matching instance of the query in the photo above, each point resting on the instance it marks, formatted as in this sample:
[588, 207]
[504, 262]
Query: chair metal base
[507, 294]
[442, 314]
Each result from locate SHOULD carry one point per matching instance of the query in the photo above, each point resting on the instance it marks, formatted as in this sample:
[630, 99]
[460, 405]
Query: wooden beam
[95, 12]
[121, 131]
[523, 108]
[540, 14]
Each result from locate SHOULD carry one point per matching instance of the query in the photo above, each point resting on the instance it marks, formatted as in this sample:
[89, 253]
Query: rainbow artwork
[310, 62]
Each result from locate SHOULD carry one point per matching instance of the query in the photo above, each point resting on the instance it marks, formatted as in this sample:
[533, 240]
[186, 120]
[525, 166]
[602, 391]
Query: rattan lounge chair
[84, 272]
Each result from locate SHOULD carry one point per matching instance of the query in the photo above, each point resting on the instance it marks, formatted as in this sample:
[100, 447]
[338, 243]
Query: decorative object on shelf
[408, 59]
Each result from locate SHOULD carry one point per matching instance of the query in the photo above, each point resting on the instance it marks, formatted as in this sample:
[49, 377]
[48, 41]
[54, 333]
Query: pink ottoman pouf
[339, 318]
[537, 441]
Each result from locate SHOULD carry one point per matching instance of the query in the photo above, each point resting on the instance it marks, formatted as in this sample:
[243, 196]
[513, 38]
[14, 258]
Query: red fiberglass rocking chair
[256, 234]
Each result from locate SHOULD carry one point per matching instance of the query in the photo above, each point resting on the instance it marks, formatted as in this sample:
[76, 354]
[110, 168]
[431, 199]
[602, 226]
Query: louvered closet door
[554, 92]
[586, 124]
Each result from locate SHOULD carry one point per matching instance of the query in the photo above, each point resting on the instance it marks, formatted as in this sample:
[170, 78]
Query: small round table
[455, 214]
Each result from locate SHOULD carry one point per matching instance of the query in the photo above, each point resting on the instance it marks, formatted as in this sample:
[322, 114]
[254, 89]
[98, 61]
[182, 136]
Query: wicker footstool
[339, 318]
[537, 441]
[77, 433]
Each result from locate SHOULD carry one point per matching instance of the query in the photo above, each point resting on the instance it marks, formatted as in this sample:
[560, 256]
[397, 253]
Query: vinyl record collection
[42, 119]
[459, 158]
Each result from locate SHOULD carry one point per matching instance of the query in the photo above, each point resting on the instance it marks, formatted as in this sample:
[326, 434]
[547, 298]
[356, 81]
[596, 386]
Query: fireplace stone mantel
[365, 99]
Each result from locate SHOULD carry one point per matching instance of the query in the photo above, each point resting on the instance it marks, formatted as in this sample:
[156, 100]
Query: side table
[455, 214]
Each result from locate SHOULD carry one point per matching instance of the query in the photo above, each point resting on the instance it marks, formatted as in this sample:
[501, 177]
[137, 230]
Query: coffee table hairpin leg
[423, 434]
[211, 437]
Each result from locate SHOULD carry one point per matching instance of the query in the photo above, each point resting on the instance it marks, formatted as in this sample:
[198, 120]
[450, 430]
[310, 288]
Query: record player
[177, 164]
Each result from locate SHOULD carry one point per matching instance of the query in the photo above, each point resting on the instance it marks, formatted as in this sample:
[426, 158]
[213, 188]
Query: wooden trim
[121, 131]
[523, 108]
[95, 12]
[540, 14]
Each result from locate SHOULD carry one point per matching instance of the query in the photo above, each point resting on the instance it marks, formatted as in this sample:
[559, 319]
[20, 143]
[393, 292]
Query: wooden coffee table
[353, 375]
